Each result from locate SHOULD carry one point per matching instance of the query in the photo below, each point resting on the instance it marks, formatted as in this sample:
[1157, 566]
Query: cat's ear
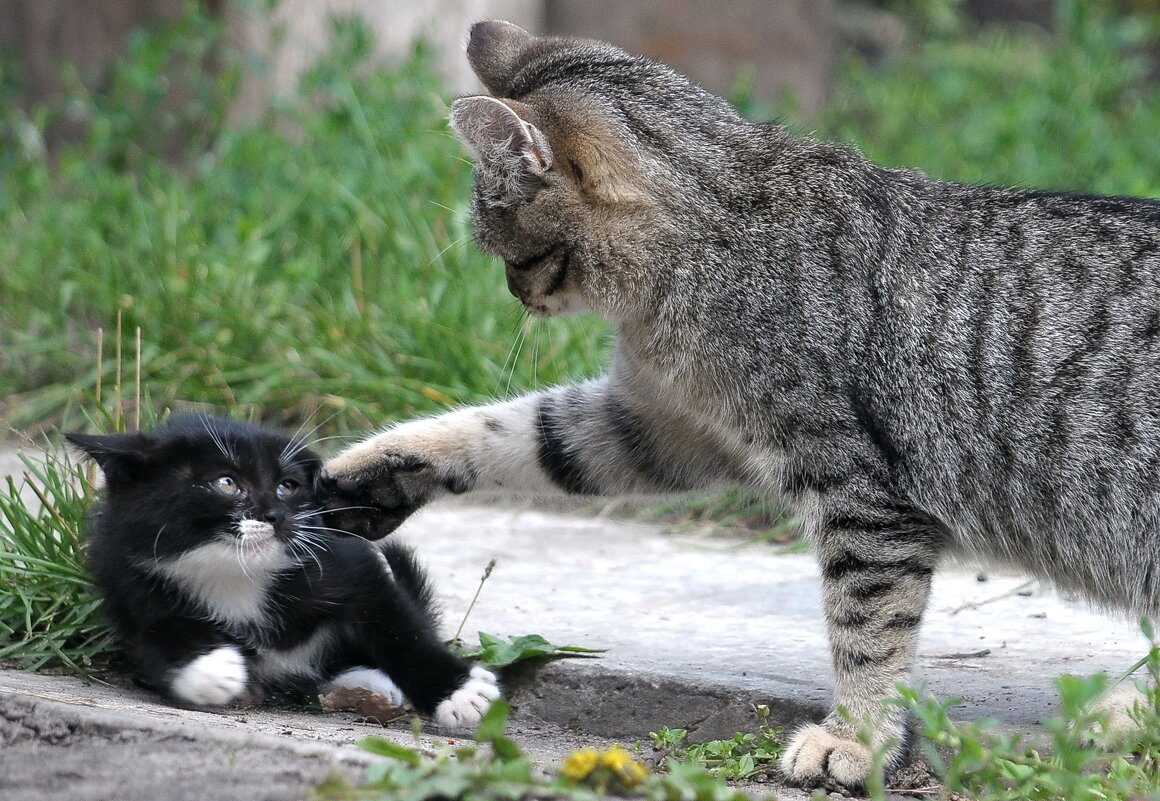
[114, 452]
[312, 465]
[494, 51]
[501, 136]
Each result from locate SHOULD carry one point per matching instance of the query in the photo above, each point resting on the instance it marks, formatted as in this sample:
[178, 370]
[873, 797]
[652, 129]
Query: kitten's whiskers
[157, 539]
[215, 435]
[306, 543]
[240, 551]
[300, 441]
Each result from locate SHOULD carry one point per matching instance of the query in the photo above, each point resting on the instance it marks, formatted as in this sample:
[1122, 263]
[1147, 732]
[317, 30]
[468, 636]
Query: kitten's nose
[273, 517]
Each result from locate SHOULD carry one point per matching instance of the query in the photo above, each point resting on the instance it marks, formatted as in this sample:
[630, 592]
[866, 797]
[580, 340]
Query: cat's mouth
[256, 533]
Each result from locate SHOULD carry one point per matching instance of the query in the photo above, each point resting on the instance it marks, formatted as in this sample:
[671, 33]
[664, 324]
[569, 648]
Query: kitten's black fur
[221, 576]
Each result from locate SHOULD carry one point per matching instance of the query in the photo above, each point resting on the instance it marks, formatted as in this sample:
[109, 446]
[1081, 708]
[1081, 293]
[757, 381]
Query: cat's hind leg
[367, 679]
[877, 563]
[467, 705]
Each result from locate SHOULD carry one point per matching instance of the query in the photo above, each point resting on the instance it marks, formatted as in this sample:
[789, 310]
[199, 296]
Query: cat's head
[207, 483]
[582, 153]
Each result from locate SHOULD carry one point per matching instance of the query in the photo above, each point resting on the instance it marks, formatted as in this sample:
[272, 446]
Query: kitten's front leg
[213, 679]
[877, 563]
[192, 661]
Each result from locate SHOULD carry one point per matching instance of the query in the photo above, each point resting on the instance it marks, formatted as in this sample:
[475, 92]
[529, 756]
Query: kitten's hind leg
[368, 679]
[876, 564]
[467, 705]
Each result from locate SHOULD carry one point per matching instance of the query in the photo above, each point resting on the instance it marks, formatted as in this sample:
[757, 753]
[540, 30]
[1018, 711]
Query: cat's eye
[226, 485]
[287, 488]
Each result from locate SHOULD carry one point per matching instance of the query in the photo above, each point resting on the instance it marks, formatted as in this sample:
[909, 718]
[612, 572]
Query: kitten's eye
[287, 488]
[226, 485]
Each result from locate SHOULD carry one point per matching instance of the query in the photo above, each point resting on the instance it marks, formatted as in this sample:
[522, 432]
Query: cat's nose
[273, 517]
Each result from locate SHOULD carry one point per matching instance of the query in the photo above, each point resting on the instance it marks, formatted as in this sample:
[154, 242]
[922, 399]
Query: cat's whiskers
[240, 553]
[307, 515]
[453, 243]
[513, 354]
[305, 543]
[301, 441]
[328, 438]
[329, 529]
[217, 439]
[157, 539]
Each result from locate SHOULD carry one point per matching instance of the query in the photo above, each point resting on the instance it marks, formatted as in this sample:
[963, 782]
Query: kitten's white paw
[212, 679]
[467, 705]
[815, 755]
[368, 679]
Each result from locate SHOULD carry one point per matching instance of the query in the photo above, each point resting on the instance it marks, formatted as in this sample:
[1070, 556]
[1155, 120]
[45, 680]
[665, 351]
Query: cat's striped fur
[920, 366]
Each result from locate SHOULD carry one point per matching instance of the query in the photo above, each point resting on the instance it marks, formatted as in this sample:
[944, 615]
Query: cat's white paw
[815, 755]
[467, 705]
[212, 679]
[368, 679]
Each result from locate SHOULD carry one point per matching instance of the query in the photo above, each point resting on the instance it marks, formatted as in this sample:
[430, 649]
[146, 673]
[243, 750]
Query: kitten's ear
[501, 137]
[494, 50]
[312, 464]
[113, 452]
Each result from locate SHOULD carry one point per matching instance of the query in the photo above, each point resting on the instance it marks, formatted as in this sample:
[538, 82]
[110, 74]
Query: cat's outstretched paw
[815, 756]
[467, 705]
[212, 679]
[393, 473]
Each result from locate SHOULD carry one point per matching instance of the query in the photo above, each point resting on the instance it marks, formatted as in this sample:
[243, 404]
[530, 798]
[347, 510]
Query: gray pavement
[697, 628]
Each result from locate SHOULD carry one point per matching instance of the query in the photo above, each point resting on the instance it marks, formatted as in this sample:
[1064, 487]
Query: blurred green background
[316, 265]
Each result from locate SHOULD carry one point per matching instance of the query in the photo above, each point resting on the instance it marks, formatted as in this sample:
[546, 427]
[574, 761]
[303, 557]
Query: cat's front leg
[212, 679]
[877, 563]
[192, 661]
[386, 477]
[605, 437]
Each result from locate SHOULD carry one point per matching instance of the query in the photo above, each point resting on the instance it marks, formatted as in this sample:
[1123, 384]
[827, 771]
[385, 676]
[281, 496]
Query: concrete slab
[697, 629]
[68, 739]
[713, 617]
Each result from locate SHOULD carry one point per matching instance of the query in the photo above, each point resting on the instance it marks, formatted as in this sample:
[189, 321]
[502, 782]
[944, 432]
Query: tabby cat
[921, 367]
[221, 575]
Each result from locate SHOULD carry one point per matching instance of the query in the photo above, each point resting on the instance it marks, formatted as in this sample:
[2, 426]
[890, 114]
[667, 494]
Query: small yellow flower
[627, 770]
[580, 765]
[604, 770]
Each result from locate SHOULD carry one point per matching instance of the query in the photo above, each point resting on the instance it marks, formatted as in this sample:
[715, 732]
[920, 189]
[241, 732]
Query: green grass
[1077, 760]
[1070, 765]
[49, 612]
[496, 768]
[742, 756]
[318, 263]
[1073, 111]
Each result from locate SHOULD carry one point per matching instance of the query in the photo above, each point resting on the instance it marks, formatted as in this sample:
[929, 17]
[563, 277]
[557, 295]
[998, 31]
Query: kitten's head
[210, 485]
[583, 154]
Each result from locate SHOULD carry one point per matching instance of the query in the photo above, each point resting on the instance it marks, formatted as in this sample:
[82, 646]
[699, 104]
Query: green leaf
[496, 652]
[384, 747]
[494, 723]
[1148, 628]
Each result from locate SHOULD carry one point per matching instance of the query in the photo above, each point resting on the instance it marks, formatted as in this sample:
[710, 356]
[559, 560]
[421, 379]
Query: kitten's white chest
[230, 580]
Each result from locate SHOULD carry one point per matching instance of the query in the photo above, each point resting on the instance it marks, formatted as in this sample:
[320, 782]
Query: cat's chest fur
[229, 589]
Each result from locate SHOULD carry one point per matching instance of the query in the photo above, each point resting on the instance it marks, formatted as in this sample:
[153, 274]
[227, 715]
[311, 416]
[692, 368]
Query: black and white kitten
[224, 581]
